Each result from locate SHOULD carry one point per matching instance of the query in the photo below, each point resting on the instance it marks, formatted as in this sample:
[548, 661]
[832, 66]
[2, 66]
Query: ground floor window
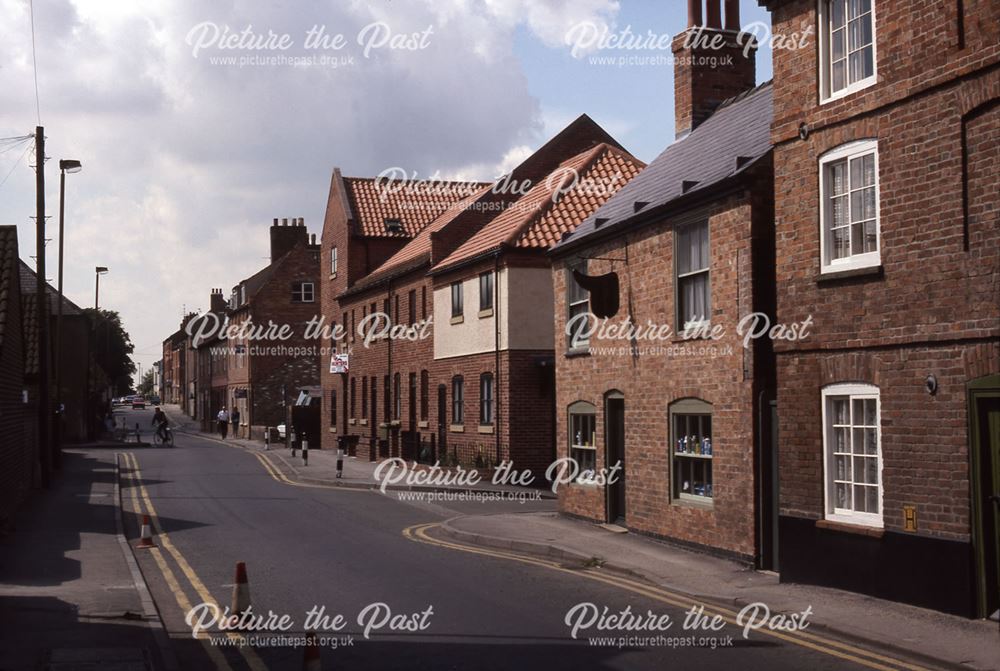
[583, 435]
[691, 447]
[852, 453]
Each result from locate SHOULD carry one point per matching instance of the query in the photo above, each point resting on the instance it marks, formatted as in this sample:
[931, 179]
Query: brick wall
[17, 449]
[651, 381]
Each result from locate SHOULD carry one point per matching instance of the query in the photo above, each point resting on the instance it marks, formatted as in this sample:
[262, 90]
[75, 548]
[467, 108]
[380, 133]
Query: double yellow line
[822, 644]
[138, 491]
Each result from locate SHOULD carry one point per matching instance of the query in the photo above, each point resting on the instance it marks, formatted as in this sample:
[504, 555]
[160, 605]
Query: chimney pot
[284, 222]
[694, 13]
[713, 17]
[275, 221]
[732, 14]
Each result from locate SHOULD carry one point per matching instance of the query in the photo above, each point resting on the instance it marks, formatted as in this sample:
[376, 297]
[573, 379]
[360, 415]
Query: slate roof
[555, 205]
[722, 147]
[8, 266]
[29, 285]
[415, 203]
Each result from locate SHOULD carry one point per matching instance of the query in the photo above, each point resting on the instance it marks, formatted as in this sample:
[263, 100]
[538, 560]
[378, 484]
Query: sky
[187, 158]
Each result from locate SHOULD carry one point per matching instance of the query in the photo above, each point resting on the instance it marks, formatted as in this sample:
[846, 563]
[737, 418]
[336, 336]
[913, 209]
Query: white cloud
[186, 162]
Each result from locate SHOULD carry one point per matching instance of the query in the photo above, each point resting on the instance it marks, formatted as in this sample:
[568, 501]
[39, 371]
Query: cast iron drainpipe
[496, 347]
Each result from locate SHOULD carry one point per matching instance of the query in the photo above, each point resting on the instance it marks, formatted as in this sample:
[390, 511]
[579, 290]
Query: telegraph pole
[44, 402]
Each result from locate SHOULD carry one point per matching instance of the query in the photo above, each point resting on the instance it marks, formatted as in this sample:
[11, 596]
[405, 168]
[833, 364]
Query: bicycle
[166, 439]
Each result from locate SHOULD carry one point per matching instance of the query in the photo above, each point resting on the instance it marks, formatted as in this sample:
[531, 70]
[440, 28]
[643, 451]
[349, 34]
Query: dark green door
[985, 425]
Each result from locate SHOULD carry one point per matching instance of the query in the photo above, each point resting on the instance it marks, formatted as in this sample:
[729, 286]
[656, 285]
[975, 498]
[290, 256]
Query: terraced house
[887, 159]
[666, 415]
[474, 282]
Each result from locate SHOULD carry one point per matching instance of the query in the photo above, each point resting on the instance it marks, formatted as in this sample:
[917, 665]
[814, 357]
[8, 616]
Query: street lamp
[98, 271]
[65, 166]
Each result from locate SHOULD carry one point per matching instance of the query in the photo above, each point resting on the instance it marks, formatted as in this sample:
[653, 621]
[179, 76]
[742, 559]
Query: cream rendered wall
[525, 301]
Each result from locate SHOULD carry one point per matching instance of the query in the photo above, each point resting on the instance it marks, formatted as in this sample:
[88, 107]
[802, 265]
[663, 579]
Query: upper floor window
[397, 397]
[333, 261]
[578, 303]
[303, 292]
[694, 295]
[412, 300]
[849, 218]
[486, 399]
[456, 299]
[486, 291]
[852, 450]
[847, 46]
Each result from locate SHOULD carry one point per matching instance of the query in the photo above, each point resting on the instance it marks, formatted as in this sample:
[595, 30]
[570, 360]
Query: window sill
[333, 276]
[352, 421]
[457, 428]
[851, 528]
[699, 502]
[577, 351]
[364, 422]
[856, 87]
[485, 428]
[847, 273]
[488, 312]
[333, 429]
[422, 425]
[457, 320]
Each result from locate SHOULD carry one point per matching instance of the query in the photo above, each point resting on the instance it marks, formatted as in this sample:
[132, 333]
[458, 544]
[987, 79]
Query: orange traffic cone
[146, 535]
[241, 590]
[310, 659]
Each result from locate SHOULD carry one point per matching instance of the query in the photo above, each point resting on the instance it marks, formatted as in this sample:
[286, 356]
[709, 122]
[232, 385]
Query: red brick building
[367, 221]
[19, 461]
[492, 297]
[677, 418]
[404, 398]
[887, 159]
[264, 376]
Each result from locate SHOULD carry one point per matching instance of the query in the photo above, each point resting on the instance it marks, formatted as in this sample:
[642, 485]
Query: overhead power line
[34, 60]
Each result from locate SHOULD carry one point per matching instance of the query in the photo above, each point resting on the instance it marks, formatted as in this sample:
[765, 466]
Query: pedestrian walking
[236, 422]
[223, 418]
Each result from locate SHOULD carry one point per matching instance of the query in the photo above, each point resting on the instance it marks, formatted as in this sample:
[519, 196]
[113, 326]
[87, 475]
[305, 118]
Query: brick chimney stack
[285, 236]
[709, 62]
[217, 301]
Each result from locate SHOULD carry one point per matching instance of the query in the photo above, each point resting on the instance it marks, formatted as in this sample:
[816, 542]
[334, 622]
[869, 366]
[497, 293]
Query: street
[308, 546]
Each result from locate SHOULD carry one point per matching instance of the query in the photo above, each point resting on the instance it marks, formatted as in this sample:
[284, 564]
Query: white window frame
[303, 293]
[825, 56]
[854, 261]
[587, 444]
[572, 305]
[852, 391]
[486, 393]
[688, 326]
[333, 261]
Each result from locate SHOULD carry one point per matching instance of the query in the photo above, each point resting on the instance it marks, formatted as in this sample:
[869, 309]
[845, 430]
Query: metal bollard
[292, 435]
[267, 438]
[138, 438]
[305, 450]
[340, 463]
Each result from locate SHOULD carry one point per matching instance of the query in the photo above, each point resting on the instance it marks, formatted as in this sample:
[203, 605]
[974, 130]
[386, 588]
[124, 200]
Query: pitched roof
[412, 203]
[8, 268]
[29, 285]
[555, 205]
[722, 147]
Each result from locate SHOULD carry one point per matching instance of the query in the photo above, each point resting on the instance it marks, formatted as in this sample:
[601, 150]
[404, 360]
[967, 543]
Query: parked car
[281, 430]
[155, 400]
[138, 403]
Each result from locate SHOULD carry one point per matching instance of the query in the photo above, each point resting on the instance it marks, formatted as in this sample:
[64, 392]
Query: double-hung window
[692, 450]
[457, 399]
[486, 399]
[333, 261]
[694, 290]
[583, 435]
[486, 291]
[852, 447]
[578, 303]
[456, 300]
[847, 47]
[849, 207]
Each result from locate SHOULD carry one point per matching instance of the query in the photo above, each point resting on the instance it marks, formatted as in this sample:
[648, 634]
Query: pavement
[71, 595]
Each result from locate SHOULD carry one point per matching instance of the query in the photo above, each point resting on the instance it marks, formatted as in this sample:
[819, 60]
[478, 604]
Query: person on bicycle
[160, 422]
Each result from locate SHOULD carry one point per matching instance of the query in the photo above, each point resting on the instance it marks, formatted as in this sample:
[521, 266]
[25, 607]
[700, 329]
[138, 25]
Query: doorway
[614, 422]
[984, 421]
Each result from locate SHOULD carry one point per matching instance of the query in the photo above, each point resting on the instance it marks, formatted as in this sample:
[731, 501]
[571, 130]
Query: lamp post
[98, 271]
[65, 166]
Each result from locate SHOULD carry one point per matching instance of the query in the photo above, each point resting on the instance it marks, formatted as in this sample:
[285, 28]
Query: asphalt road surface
[346, 551]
